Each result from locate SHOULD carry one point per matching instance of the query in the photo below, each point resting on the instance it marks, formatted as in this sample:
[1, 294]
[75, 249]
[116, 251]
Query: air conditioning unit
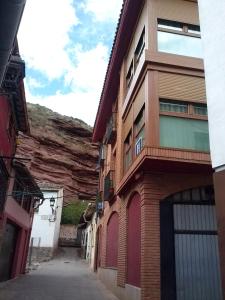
[138, 146]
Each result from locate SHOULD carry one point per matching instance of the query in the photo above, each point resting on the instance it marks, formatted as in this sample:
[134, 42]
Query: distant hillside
[61, 152]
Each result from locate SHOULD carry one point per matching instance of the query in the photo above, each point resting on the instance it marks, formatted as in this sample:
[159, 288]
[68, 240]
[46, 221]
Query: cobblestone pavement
[64, 278]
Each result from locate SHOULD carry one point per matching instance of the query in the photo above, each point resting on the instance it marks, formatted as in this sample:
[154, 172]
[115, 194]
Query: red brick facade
[152, 188]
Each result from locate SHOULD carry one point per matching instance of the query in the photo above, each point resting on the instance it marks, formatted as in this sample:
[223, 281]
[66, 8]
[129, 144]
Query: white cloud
[34, 83]
[81, 105]
[86, 81]
[90, 70]
[46, 46]
[44, 34]
[104, 10]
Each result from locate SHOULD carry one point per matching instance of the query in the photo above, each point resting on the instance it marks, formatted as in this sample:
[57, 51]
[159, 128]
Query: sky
[66, 45]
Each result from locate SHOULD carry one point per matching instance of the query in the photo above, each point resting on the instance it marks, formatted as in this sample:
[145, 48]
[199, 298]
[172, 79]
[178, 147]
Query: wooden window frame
[142, 126]
[189, 115]
[139, 48]
[135, 58]
[184, 28]
[128, 143]
[130, 74]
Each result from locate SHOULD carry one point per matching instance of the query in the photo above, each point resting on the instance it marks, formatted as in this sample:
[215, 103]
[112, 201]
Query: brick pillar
[103, 244]
[150, 240]
[122, 251]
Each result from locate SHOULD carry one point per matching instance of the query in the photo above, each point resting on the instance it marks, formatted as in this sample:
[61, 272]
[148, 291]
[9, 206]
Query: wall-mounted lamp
[38, 202]
[52, 204]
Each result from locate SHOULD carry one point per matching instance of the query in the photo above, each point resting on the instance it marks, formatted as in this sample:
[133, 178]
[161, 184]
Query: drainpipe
[10, 16]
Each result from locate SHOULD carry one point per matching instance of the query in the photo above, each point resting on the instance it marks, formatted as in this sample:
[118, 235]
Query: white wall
[44, 230]
[91, 241]
[212, 16]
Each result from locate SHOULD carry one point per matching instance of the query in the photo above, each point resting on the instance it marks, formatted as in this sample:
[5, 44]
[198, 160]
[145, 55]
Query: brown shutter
[178, 10]
[139, 101]
[181, 87]
[127, 124]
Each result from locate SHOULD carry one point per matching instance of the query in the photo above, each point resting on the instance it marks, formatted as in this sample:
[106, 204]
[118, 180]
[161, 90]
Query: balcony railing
[99, 204]
[110, 134]
[101, 158]
[109, 186]
[14, 74]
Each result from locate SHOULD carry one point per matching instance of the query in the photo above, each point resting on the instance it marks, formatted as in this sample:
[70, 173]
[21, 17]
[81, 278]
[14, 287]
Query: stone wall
[67, 235]
[40, 254]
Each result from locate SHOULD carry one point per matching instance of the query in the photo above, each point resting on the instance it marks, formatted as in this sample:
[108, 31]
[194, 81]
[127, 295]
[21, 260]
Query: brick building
[17, 187]
[157, 238]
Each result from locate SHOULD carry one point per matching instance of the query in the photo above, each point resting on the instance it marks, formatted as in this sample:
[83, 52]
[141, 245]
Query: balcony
[99, 204]
[109, 186]
[15, 72]
[110, 134]
[101, 159]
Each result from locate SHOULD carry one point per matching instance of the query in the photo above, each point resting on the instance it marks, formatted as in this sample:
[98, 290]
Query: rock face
[61, 153]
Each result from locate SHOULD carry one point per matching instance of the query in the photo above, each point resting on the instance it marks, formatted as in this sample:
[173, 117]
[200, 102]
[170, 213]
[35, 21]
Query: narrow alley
[63, 278]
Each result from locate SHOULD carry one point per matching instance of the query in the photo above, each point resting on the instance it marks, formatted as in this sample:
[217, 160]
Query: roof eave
[127, 21]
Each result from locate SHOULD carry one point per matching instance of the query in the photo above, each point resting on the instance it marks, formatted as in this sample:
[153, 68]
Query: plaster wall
[91, 241]
[212, 17]
[45, 232]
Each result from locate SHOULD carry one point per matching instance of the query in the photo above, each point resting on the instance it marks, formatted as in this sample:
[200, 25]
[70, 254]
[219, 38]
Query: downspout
[10, 16]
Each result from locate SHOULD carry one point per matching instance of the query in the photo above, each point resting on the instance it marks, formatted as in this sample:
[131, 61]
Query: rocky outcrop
[60, 152]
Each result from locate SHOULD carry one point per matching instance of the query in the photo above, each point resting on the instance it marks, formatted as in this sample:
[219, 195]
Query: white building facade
[46, 225]
[212, 16]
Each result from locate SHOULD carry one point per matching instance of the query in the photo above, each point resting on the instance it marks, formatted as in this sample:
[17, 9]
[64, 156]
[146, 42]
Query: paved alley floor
[64, 278]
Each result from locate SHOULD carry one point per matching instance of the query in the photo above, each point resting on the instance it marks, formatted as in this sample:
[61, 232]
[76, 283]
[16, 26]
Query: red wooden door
[112, 241]
[134, 242]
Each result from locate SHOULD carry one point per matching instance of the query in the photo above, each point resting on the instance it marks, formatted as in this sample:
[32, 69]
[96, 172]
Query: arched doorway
[134, 241]
[189, 246]
[112, 241]
[98, 248]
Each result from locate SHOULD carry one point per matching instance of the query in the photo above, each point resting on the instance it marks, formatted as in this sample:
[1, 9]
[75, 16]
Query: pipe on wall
[10, 15]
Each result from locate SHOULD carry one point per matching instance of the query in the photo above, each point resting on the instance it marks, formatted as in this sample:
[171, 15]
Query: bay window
[184, 126]
[178, 38]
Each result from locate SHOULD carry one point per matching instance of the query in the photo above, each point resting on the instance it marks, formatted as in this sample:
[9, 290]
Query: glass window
[139, 141]
[179, 44]
[140, 47]
[128, 151]
[130, 74]
[140, 121]
[168, 106]
[200, 109]
[139, 131]
[194, 29]
[171, 25]
[184, 133]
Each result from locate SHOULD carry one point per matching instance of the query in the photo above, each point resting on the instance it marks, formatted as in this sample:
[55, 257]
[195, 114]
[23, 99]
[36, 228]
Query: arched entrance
[189, 246]
[134, 241]
[112, 241]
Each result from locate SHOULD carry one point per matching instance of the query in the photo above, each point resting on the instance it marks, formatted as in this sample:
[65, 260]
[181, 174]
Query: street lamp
[52, 202]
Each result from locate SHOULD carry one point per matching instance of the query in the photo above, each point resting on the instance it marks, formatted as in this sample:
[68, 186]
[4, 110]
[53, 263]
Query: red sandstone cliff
[60, 152]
